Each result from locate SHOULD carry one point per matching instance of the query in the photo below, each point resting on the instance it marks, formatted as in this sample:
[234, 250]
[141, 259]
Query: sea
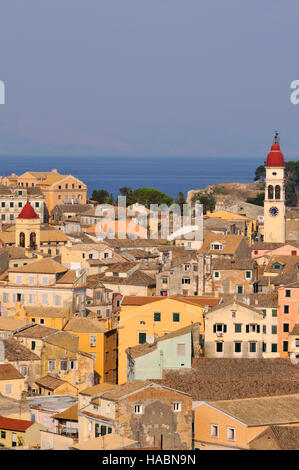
[167, 174]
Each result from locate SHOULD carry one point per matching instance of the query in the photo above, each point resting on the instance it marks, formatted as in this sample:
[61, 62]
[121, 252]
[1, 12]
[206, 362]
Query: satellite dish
[150, 339]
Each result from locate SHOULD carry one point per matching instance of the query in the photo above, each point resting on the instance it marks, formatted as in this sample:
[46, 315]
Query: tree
[102, 196]
[258, 200]
[206, 199]
[180, 200]
[260, 173]
[148, 196]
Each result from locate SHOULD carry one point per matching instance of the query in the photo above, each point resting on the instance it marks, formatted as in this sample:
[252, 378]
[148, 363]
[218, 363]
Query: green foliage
[260, 173]
[145, 196]
[219, 191]
[206, 199]
[102, 196]
[258, 200]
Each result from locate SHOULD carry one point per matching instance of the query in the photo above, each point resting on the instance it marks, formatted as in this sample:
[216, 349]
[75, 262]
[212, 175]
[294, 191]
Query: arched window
[32, 240]
[270, 191]
[22, 239]
[277, 191]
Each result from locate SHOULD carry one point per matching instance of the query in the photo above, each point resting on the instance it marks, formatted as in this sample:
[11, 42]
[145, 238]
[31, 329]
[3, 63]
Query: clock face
[273, 211]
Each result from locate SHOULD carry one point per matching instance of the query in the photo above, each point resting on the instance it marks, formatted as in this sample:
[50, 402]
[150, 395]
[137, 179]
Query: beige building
[234, 330]
[14, 198]
[44, 283]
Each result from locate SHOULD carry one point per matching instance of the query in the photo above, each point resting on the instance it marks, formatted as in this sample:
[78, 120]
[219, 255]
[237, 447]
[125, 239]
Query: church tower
[274, 206]
[28, 228]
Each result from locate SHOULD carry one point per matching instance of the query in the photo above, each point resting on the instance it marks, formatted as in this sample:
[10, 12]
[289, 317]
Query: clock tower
[274, 205]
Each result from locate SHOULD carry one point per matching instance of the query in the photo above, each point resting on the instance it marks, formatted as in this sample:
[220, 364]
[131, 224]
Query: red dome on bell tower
[275, 157]
[28, 212]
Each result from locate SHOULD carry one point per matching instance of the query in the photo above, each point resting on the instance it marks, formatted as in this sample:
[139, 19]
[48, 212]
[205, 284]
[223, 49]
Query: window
[288, 293]
[51, 365]
[248, 275]
[238, 328]
[285, 346]
[142, 338]
[219, 347]
[33, 344]
[240, 289]
[238, 347]
[177, 407]
[252, 328]
[20, 204]
[44, 299]
[186, 267]
[274, 330]
[286, 309]
[157, 316]
[252, 347]
[3, 434]
[57, 299]
[175, 317]
[216, 274]
[286, 327]
[93, 340]
[274, 312]
[2, 204]
[138, 409]
[18, 279]
[219, 328]
[214, 430]
[45, 280]
[264, 347]
[31, 298]
[31, 280]
[231, 434]
[216, 246]
[106, 355]
[73, 365]
[297, 342]
[41, 321]
[264, 329]
[274, 347]
[63, 365]
[186, 280]
[8, 389]
[181, 349]
[164, 280]
[37, 204]
[277, 266]
[11, 204]
[5, 297]
[24, 370]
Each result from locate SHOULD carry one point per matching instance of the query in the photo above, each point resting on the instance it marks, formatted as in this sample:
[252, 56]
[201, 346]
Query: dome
[275, 157]
[28, 212]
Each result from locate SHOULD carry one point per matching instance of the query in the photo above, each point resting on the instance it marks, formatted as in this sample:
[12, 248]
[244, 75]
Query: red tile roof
[14, 424]
[28, 212]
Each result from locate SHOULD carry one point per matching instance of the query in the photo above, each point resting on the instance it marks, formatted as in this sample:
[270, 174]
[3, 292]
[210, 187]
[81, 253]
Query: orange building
[57, 188]
[288, 314]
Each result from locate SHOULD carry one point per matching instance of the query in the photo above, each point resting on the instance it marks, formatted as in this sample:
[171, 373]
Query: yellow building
[19, 432]
[52, 317]
[98, 341]
[12, 382]
[138, 324]
[250, 225]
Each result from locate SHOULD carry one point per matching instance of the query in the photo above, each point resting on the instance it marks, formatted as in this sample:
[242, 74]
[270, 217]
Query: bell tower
[28, 228]
[274, 205]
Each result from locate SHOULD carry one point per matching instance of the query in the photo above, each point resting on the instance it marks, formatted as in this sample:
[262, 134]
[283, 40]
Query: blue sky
[148, 77]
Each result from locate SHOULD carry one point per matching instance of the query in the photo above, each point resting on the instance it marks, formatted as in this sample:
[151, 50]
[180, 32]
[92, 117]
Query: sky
[148, 77]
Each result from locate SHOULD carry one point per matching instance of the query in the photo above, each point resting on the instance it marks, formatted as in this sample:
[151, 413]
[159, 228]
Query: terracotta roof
[15, 351]
[84, 325]
[43, 266]
[28, 212]
[136, 300]
[50, 312]
[50, 382]
[279, 438]
[69, 414]
[263, 410]
[295, 329]
[97, 389]
[12, 424]
[36, 331]
[197, 300]
[9, 372]
[12, 323]
[227, 264]
[230, 242]
[120, 392]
